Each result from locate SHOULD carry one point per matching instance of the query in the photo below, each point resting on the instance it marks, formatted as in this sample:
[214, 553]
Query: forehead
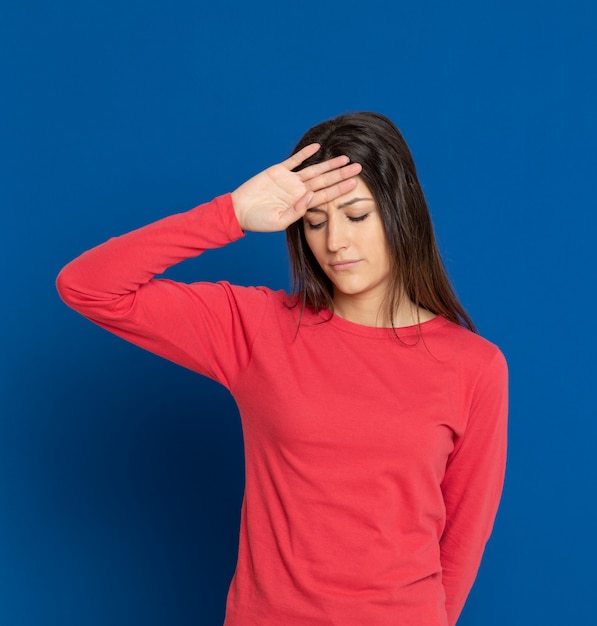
[360, 192]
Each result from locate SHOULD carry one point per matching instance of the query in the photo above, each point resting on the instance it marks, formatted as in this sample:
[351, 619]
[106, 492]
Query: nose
[337, 237]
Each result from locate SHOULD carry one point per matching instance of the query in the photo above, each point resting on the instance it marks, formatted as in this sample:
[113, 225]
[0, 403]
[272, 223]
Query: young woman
[374, 416]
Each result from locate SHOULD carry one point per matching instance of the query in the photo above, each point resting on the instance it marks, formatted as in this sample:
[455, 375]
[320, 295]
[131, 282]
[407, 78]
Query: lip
[344, 265]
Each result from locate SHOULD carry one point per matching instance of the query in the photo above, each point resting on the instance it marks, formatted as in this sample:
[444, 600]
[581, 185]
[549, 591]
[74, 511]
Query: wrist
[237, 205]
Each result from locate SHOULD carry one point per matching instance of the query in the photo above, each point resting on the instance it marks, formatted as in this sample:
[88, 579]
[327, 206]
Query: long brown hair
[389, 171]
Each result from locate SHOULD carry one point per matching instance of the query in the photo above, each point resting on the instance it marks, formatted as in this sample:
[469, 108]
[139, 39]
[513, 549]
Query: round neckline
[380, 332]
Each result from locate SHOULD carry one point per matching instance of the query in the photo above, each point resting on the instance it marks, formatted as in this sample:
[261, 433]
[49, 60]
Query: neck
[371, 312]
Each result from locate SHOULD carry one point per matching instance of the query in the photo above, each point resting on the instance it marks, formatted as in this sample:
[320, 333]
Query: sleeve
[472, 484]
[206, 327]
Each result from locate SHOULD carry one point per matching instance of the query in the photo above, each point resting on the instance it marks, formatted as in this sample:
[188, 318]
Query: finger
[334, 176]
[302, 155]
[331, 193]
[320, 168]
[300, 207]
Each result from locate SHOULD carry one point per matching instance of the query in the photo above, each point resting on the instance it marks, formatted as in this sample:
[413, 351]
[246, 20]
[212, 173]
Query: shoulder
[480, 377]
[243, 293]
[260, 300]
[467, 343]
[474, 356]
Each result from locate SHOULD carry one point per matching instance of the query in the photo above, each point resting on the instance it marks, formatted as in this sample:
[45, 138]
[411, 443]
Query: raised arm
[200, 326]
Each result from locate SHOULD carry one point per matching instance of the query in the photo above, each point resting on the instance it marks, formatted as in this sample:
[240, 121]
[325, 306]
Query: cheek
[378, 239]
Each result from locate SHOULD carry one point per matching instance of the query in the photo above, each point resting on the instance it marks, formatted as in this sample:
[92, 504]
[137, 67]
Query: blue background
[121, 474]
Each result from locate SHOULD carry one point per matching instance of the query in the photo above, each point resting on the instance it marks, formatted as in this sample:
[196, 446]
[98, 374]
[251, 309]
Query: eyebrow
[341, 206]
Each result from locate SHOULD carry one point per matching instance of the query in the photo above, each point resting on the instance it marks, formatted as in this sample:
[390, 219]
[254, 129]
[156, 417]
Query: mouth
[344, 265]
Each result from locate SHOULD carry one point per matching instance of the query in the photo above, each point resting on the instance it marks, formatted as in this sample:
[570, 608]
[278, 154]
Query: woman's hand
[277, 197]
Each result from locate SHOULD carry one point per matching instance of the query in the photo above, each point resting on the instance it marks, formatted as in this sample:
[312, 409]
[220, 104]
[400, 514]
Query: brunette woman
[374, 416]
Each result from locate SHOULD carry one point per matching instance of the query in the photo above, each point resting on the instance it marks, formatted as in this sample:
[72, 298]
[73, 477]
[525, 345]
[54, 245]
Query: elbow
[65, 285]
[72, 288]
[79, 288]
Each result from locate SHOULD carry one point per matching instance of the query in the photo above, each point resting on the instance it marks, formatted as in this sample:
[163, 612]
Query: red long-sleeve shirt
[374, 465]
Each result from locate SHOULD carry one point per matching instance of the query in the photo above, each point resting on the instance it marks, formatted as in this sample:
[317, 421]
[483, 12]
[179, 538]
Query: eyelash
[360, 218]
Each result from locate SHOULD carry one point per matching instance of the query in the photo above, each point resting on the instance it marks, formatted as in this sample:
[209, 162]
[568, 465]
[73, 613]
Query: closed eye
[358, 218]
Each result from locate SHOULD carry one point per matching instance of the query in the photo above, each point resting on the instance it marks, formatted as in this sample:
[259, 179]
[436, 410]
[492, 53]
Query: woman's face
[348, 241]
